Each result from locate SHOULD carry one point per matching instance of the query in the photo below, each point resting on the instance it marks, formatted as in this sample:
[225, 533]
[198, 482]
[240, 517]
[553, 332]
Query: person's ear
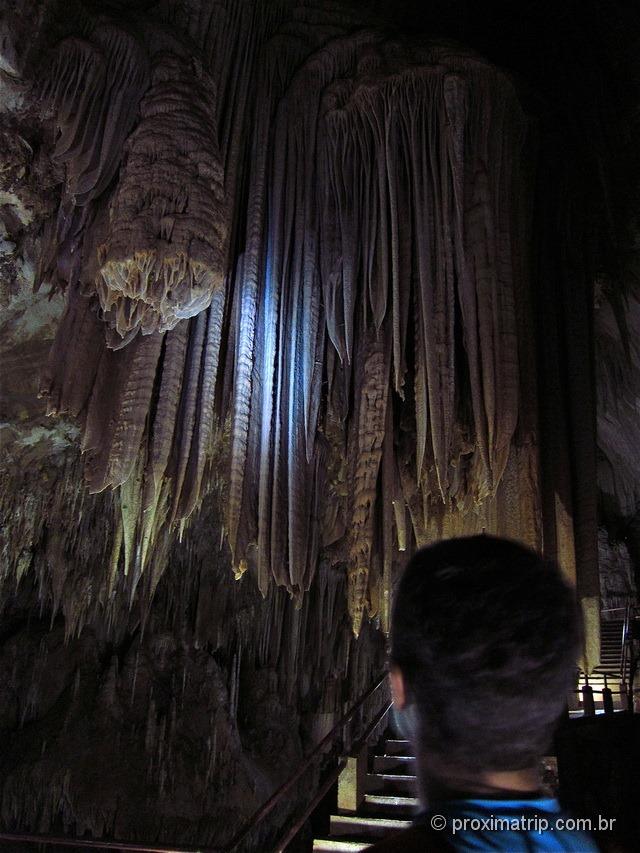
[397, 688]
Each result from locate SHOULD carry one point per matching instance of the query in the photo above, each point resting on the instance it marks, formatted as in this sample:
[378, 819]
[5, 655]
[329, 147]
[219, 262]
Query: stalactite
[372, 391]
[201, 444]
[372, 258]
[188, 403]
[345, 368]
[95, 83]
[134, 405]
[165, 254]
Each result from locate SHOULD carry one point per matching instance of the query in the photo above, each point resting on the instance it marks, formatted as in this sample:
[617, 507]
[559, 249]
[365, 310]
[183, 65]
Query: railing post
[635, 692]
[624, 696]
[607, 697]
[351, 782]
[588, 704]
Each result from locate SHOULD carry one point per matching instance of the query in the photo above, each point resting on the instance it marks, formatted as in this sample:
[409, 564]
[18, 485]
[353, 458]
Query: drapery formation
[314, 251]
[141, 252]
[389, 279]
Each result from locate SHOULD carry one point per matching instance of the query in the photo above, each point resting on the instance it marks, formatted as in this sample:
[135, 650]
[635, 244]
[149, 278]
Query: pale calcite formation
[166, 250]
[361, 359]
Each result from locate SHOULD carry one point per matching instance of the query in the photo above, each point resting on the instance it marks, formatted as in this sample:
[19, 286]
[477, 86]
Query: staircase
[611, 647]
[610, 662]
[389, 802]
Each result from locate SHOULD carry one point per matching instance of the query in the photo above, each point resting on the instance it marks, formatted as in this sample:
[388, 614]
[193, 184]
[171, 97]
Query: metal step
[365, 826]
[394, 763]
[341, 845]
[391, 783]
[389, 802]
[598, 678]
[393, 746]
[611, 671]
[389, 805]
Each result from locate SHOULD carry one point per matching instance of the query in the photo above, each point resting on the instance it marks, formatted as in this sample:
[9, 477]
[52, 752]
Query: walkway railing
[585, 689]
[331, 779]
[346, 745]
[346, 742]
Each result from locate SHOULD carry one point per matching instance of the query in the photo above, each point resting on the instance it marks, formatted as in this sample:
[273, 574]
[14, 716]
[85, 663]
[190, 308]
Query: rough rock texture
[618, 384]
[383, 342]
[381, 268]
[617, 579]
[619, 406]
[173, 723]
[116, 711]
[380, 191]
[166, 251]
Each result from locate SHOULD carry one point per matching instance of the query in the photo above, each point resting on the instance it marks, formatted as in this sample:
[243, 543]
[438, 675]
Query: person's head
[484, 640]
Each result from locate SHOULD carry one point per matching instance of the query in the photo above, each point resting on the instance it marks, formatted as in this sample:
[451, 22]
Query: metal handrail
[625, 640]
[284, 842]
[130, 847]
[577, 691]
[277, 796]
[249, 826]
[328, 783]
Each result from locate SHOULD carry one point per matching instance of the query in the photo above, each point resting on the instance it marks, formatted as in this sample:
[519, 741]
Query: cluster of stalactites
[390, 187]
[140, 243]
[166, 249]
[370, 373]
[155, 248]
[95, 83]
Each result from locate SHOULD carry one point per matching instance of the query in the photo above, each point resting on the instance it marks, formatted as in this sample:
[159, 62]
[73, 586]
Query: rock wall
[617, 575]
[170, 714]
[276, 435]
[177, 723]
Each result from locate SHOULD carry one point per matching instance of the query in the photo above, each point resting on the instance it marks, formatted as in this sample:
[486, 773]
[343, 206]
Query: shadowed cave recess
[288, 290]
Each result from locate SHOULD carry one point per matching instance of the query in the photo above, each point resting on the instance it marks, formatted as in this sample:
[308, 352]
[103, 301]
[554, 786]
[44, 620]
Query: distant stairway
[610, 648]
[610, 662]
[389, 802]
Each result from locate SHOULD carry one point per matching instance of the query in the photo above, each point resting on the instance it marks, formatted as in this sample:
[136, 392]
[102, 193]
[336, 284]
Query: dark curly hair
[486, 635]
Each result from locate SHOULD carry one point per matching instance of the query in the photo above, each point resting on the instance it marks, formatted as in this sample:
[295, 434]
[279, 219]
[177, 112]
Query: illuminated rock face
[166, 250]
[155, 248]
[397, 172]
[308, 313]
[371, 317]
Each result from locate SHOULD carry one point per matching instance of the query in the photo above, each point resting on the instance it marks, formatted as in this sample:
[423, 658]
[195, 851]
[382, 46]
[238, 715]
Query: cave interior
[288, 289]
